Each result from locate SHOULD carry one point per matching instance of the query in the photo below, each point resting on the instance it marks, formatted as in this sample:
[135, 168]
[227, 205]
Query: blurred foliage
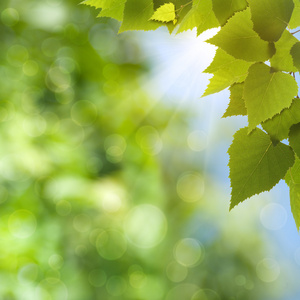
[100, 198]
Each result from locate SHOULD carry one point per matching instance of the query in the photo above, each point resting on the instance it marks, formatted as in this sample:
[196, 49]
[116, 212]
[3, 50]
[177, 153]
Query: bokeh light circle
[188, 252]
[30, 68]
[58, 80]
[63, 208]
[10, 16]
[28, 273]
[273, 216]
[22, 223]
[51, 290]
[116, 286]
[84, 112]
[149, 140]
[176, 272]
[111, 244]
[206, 294]
[97, 277]
[115, 146]
[145, 226]
[182, 291]
[137, 277]
[190, 187]
[56, 261]
[82, 223]
[268, 270]
[17, 55]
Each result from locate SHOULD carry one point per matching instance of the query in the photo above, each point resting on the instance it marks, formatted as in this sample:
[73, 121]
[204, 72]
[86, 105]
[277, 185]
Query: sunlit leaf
[137, 14]
[200, 16]
[294, 138]
[227, 70]
[256, 165]
[165, 13]
[270, 18]
[237, 103]
[279, 126]
[238, 39]
[267, 93]
[295, 18]
[292, 178]
[295, 52]
[224, 9]
[282, 59]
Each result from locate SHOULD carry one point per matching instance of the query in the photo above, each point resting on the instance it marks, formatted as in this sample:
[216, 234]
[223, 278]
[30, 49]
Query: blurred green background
[100, 198]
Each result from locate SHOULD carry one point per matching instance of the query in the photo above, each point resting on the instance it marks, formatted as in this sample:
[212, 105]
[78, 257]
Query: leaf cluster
[257, 58]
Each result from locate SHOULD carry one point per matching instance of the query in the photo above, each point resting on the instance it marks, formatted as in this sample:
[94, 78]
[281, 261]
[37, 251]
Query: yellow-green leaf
[238, 39]
[165, 13]
[292, 178]
[256, 165]
[267, 93]
[236, 105]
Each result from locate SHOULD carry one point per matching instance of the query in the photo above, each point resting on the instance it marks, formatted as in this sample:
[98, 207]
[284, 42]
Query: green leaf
[267, 93]
[292, 178]
[137, 14]
[256, 165]
[238, 39]
[295, 18]
[115, 10]
[294, 138]
[183, 7]
[201, 16]
[224, 61]
[279, 126]
[282, 60]
[224, 9]
[295, 52]
[165, 13]
[227, 70]
[270, 18]
[109, 8]
[237, 103]
[93, 3]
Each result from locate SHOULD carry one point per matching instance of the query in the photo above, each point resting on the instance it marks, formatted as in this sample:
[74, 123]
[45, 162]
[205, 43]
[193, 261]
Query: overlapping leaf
[109, 8]
[224, 9]
[182, 7]
[238, 39]
[279, 126]
[267, 93]
[270, 17]
[295, 18]
[137, 14]
[200, 16]
[256, 165]
[282, 60]
[294, 138]
[93, 3]
[292, 178]
[237, 103]
[295, 52]
[227, 70]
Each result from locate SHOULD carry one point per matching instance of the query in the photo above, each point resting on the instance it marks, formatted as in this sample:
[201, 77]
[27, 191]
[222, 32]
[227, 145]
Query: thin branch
[295, 31]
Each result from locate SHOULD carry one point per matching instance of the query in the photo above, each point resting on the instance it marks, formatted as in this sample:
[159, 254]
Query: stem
[295, 31]
[182, 7]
